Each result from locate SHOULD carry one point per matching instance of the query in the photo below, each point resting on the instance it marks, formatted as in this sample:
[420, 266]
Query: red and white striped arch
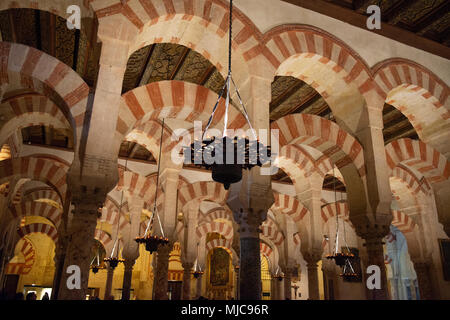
[29, 254]
[270, 230]
[137, 184]
[198, 24]
[289, 205]
[33, 208]
[30, 110]
[307, 42]
[404, 174]
[219, 243]
[404, 223]
[265, 249]
[50, 172]
[299, 164]
[421, 96]
[340, 208]
[215, 214]
[394, 73]
[46, 229]
[202, 190]
[148, 135]
[171, 99]
[110, 213]
[41, 193]
[219, 227]
[323, 135]
[418, 155]
[32, 63]
[103, 237]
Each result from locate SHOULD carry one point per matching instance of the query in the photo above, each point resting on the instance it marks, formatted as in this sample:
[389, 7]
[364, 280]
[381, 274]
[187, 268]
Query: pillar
[375, 256]
[236, 283]
[161, 284]
[80, 242]
[131, 248]
[127, 276]
[274, 287]
[186, 290]
[287, 282]
[109, 281]
[423, 278]
[60, 254]
[313, 276]
[199, 286]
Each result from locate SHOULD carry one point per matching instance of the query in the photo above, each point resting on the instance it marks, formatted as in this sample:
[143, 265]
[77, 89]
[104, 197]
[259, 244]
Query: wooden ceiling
[47, 32]
[158, 62]
[424, 24]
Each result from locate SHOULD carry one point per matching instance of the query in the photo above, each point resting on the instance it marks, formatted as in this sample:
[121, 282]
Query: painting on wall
[220, 267]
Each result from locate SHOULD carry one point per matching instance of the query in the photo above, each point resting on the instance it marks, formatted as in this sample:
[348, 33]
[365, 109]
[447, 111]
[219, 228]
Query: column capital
[187, 265]
[370, 227]
[312, 258]
[129, 264]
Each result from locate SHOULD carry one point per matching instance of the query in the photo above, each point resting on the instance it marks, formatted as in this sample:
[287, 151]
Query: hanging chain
[228, 81]
[150, 223]
[336, 243]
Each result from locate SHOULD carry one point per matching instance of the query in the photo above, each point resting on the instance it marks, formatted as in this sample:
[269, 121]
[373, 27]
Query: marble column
[423, 278]
[160, 284]
[109, 282]
[80, 242]
[313, 276]
[250, 268]
[186, 289]
[127, 276]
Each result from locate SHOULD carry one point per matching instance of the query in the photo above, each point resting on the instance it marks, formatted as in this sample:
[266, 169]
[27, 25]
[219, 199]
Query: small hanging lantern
[152, 242]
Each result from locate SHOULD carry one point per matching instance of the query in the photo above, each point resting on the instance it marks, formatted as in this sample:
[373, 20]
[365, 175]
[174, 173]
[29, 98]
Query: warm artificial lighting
[152, 242]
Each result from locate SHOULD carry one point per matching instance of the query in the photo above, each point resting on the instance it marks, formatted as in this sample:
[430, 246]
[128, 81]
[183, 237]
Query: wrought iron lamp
[237, 153]
[152, 242]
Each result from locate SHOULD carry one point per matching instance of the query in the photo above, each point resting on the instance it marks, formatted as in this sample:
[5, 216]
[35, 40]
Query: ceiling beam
[359, 20]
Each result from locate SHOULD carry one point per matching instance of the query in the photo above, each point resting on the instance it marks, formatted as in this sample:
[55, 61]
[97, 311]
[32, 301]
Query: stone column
[186, 290]
[313, 277]
[199, 286]
[375, 256]
[249, 200]
[131, 248]
[423, 278]
[274, 287]
[109, 281]
[160, 284]
[236, 282]
[127, 276]
[287, 282]
[80, 242]
[60, 254]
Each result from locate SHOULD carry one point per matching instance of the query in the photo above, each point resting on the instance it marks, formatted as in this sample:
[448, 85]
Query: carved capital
[372, 227]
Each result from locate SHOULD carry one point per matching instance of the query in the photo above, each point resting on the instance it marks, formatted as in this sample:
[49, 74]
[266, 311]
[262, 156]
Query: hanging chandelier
[113, 261]
[96, 267]
[152, 242]
[197, 270]
[236, 153]
[342, 259]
